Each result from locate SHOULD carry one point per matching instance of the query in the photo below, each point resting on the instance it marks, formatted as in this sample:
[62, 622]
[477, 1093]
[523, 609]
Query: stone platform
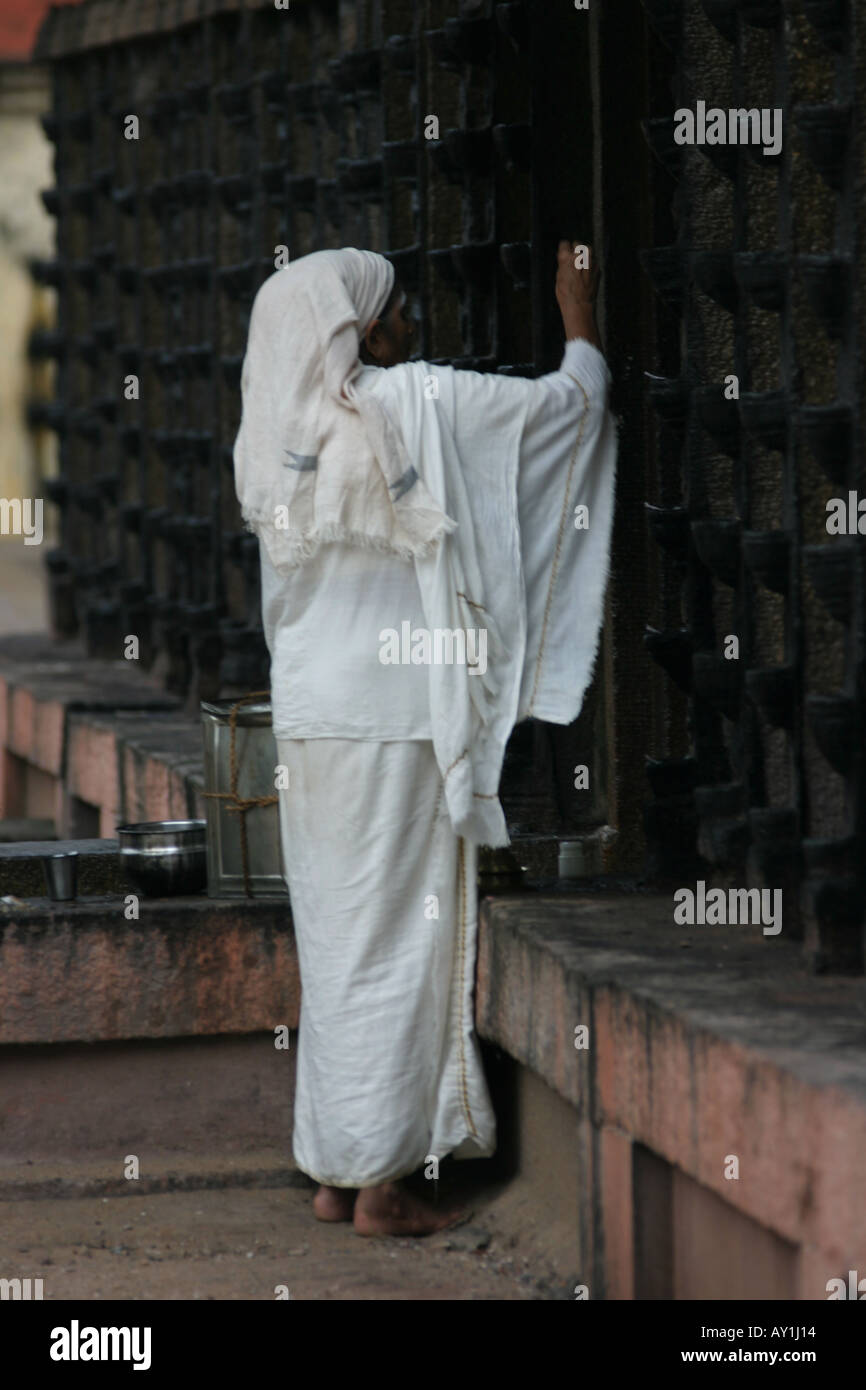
[681, 1110]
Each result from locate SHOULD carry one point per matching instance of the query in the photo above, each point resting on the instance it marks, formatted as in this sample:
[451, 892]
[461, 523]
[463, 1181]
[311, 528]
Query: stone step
[256, 1243]
[53, 1179]
[85, 971]
[99, 872]
[15, 829]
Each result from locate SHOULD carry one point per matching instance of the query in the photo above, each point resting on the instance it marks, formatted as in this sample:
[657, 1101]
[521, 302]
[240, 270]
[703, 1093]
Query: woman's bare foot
[334, 1203]
[388, 1210]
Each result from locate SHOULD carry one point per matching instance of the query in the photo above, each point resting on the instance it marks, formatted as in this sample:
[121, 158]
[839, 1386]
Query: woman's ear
[372, 343]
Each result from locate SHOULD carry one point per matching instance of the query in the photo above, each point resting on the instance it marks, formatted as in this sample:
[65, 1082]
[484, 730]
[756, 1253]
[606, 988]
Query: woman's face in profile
[389, 340]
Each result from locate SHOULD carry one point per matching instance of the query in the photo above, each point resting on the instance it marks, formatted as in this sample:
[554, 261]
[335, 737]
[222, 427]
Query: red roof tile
[19, 25]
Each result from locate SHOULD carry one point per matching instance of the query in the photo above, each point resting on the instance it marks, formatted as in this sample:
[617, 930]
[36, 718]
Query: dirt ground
[242, 1243]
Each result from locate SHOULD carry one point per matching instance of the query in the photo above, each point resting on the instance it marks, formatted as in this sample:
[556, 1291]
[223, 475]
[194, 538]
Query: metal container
[61, 874]
[572, 859]
[255, 761]
[164, 858]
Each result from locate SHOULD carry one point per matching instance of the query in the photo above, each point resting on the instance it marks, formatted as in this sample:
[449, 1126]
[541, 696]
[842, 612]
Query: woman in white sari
[434, 549]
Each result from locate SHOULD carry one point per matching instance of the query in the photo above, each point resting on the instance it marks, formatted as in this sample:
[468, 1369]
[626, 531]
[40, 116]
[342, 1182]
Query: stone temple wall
[759, 427]
[723, 729]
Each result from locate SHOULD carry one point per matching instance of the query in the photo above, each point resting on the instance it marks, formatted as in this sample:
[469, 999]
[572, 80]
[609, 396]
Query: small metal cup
[572, 859]
[61, 874]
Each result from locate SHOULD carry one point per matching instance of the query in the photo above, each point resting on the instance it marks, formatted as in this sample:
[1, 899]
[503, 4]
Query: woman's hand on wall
[577, 280]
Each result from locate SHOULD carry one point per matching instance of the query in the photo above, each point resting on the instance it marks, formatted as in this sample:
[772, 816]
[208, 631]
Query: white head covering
[315, 460]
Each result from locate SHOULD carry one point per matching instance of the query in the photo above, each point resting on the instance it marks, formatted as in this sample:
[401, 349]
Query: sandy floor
[241, 1244]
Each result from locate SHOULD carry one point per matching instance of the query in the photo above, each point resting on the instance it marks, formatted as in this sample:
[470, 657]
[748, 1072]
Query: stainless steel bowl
[164, 858]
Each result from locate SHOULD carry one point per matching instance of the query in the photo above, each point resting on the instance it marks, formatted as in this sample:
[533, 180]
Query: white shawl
[531, 576]
[313, 461]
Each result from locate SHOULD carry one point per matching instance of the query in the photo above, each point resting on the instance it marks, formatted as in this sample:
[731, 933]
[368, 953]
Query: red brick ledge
[80, 972]
[704, 1042]
[102, 729]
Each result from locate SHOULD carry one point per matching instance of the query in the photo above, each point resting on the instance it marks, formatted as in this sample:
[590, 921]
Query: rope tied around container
[241, 804]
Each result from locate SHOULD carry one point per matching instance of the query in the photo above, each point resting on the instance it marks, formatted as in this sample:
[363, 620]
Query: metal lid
[161, 827]
[258, 713]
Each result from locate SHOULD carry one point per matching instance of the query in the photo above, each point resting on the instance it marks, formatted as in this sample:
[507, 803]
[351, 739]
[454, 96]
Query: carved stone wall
[309, 127]
[759, 398]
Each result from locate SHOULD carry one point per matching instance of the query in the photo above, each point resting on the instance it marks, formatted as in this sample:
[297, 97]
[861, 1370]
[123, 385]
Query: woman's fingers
[577, 272]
